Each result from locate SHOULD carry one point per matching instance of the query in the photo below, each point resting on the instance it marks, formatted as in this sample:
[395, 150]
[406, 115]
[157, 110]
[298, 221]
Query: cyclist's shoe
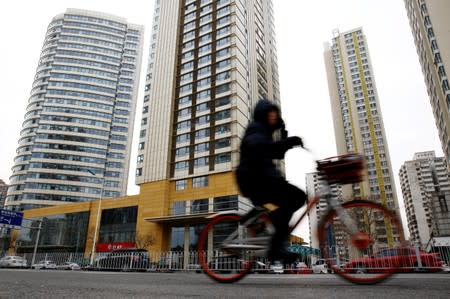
[283, 255]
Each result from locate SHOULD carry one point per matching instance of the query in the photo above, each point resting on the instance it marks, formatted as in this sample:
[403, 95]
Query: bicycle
[237, 241]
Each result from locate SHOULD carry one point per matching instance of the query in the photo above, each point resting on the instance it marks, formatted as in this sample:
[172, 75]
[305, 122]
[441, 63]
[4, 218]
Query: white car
[69, 266]
[276, 268]
[13, 261]
[45, 264]
[320, 266]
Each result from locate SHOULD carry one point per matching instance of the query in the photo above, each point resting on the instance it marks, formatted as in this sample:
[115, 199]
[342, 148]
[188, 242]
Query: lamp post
[97, 219]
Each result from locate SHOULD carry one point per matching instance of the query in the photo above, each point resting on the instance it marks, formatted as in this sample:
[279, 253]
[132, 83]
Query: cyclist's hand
[295, 141]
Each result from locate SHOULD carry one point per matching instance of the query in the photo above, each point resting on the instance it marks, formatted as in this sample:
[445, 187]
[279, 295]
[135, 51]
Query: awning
[180, 219]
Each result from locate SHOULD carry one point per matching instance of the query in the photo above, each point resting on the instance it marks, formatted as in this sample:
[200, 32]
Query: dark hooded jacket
[258, 149]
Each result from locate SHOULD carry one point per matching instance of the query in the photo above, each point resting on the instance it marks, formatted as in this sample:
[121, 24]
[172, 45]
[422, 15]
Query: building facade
[313, 188]
[358, 122]
[209, 63]
[75, 141]
[3, 192]
[430, 27]
[426, 187]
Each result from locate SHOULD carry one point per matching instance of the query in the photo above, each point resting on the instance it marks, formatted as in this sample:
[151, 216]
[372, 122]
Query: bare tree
[144, 241]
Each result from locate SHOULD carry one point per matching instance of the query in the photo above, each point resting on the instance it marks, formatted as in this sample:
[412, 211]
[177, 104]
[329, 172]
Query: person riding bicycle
[259, 179]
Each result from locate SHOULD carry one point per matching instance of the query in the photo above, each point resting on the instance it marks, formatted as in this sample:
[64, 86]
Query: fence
[412, 259]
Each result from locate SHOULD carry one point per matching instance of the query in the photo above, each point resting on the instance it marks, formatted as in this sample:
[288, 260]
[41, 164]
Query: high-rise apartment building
[426, 189]
[75, 140]
[313, 187]
[430, 28]
[358, 122]
[3, 192]
[209, 62]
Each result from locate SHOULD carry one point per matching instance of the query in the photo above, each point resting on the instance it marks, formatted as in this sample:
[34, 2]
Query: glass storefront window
[118, 225]
[63, 232]
[177, 239]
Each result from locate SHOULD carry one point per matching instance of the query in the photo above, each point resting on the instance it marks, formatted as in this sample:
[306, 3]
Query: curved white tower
[76, 137]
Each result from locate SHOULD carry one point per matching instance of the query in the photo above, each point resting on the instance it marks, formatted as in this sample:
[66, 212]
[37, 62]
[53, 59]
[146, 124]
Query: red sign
[107, 247]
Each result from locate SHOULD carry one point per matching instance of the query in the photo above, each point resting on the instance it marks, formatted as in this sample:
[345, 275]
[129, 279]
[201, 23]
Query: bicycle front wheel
[220, 256]
[362, 244]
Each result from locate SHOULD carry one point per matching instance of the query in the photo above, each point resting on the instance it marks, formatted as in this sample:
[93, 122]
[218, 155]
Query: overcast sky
[301, 27]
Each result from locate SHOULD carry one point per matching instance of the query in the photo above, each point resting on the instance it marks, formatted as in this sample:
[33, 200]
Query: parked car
[321, 267]
[276, 268]
[407, 259]
[13, 261]
[302, 268]
[124, 260]
[69, 266]
[44, 264]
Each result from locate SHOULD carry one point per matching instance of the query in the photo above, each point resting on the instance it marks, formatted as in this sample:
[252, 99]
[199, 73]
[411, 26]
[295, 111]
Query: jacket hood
[262, 109]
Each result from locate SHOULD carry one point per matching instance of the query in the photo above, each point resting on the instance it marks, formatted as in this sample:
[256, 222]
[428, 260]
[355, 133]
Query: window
[224, 114]
[138, 171]
[204, 49]
[223, 76]
[202, 120]
[226, 203]
[183, 151]
[223, 42]
[201, 181]
[202, 107]
[223, 63]
[223, 129]
[223, 52]
[203, 94]
[183, 138]
[141, 145]
[223, 101]
[203, 82]
[223, 88]
[183, 165]
[205, 38]
[179, 208]
[184, 112]
[186, 88]
[202, 147]
[204, 71]
[185, 100]
[204, 59]
[199, 162]
[183, 125]
[180, 185]
[202, 133]
[142, 133]
[199, 206]
[223, 158]
[140, 158]
[221, 143]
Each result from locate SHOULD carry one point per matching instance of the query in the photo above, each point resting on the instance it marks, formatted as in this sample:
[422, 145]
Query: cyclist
[260, 180]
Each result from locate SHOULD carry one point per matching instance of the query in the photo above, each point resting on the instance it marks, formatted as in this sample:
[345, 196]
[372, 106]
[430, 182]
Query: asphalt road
[67, 284]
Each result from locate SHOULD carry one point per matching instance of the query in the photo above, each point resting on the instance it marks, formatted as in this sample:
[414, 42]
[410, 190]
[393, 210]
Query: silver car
[69, 266]
[13, 261]
[45, 264]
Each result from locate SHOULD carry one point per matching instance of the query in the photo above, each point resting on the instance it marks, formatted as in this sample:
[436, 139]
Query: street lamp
[97, 220]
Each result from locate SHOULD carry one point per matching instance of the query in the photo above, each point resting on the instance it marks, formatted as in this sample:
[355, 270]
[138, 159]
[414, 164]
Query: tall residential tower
[209, 62]
[76, 138]
[426, 192]
[430, 28]
[358, 123]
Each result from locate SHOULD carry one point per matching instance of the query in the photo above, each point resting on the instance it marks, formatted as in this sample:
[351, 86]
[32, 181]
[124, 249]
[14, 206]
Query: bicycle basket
[344, 169]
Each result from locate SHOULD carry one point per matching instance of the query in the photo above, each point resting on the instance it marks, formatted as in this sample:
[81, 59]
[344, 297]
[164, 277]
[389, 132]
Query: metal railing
[414, 260]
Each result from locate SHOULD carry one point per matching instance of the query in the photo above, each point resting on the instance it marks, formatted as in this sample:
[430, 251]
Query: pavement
[81, 284]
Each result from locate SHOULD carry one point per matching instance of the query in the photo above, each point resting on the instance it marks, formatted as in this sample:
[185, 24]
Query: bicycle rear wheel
[370, 252]
[219, 260]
